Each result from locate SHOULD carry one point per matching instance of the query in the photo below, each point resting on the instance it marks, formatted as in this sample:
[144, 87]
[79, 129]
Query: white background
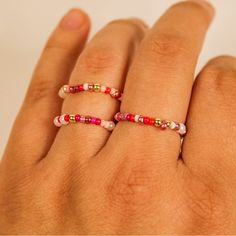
[26, 24]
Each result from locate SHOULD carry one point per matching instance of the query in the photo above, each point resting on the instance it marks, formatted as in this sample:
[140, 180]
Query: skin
[82, 179]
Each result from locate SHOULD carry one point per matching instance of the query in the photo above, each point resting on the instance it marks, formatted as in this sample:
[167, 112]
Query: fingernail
[139, 21]
[73, 19]
[206, 4]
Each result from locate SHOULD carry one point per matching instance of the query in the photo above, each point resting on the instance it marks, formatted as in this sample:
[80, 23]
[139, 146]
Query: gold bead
[157, 122]
[168, 123]
[97, 87]
[72, 118]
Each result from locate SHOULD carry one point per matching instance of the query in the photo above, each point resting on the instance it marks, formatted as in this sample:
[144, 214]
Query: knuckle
[205, 204]
[39, 90]
[99, 59]
[167, 47]
[136, 25]
[56, 46]
[219, 74]
[131, 187]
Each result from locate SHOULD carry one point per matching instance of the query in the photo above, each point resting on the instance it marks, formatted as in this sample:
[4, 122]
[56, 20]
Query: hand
[82, 179]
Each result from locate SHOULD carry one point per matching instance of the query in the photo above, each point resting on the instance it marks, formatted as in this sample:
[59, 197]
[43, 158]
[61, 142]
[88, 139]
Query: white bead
[136, 118]
[110, 126]
[103, 88]
[62, 120]
[112, 91]
[172, 125]
[182, 129]
[56, 122]
[66, 88]
[107, 124]
[86, 86]
[61, 93]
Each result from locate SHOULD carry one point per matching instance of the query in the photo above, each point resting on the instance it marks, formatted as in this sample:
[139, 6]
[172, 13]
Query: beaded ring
[162, 124]
[66, 89]
[67, 119]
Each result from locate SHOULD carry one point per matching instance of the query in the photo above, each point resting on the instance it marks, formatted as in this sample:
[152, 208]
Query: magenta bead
[98, 121]
[93, 120]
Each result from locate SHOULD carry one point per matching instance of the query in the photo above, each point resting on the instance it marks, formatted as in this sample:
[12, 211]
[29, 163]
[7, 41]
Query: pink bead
[140, 119]
[77, 118]
[163, 126]
[76, 89]
[72, 89]
[177, 126]
[117, 116]
[82, 119]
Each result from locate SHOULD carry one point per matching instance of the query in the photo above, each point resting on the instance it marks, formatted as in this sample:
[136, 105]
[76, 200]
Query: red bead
[131, 118]
[67, 118]
[81, 87]
[59, 119]
[108, 90]
[128, 117]
[98, 121]
[146, 120]
[152, 121]
[77, 118]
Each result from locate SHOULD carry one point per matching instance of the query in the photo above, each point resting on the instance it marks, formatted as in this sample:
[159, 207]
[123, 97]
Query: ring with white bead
[156, 122]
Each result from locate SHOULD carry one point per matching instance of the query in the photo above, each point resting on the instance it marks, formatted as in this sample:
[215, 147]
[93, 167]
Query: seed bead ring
[162, 124]
[67, 89]
[67, 119]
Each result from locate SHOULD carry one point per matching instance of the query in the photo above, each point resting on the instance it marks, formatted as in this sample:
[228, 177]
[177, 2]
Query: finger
[105, 60]
[160, 80]
[33, 131]
[210, 141]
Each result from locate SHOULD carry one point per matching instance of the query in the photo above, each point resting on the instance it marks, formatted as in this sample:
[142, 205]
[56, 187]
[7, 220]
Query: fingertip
[74, 19]
[206, 4]
[139, 22]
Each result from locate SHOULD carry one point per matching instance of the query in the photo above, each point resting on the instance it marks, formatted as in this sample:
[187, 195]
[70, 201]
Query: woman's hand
[82, 179]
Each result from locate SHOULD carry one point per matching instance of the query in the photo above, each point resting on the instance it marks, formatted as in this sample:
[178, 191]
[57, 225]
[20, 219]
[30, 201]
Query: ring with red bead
[91, 87]
[69, 118]
[162, 124]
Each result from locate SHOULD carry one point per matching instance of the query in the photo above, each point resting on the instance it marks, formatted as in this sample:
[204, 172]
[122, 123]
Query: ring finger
[162, 74]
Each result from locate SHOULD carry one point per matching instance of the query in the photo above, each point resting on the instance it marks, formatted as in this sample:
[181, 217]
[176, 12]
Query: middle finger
[160, 81]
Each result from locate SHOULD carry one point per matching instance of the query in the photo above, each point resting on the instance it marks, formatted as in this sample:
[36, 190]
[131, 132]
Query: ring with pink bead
[69, 118]
[156, 122]
[90, 87]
